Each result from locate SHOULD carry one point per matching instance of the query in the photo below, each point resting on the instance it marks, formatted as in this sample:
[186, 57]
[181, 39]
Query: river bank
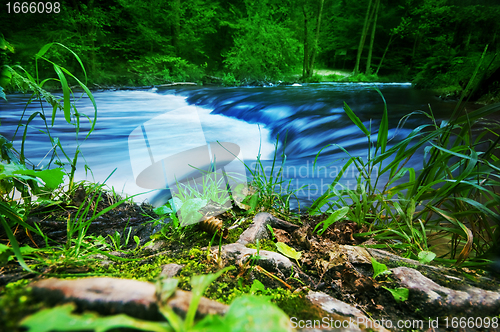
[483, 96]
[316, 261]
[334, 270]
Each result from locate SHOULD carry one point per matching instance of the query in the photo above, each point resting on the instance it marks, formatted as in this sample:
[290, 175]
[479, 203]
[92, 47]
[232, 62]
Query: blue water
[306, 119]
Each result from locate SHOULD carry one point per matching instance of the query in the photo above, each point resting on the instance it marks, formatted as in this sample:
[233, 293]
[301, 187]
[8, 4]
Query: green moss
[293, 304]
[265, 244]
[16, 302]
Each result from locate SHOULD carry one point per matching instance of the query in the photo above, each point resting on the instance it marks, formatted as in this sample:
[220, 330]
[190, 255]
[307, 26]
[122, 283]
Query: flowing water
[306, 118]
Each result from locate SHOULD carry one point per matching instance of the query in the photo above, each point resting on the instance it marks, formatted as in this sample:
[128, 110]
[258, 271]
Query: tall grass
[453, 195]
[272, 191]
[16, 172]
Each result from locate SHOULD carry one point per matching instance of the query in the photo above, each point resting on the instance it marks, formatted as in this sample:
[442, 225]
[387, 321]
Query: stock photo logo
[171, 152]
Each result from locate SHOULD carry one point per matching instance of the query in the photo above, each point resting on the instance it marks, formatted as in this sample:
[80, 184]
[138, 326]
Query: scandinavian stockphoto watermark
[310, 180]
[170, 151]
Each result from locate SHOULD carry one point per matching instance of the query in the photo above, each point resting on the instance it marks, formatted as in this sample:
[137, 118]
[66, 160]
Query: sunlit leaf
[354, 118]
[61, 319]
[257, 286]
[256, 314]
[379, 269]
[66, 92]
[288, 251]
[161, 210]
[199, 284]
[400, 294]
[335, 216]
[425, 257]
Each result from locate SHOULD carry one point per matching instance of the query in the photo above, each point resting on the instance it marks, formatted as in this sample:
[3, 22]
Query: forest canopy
[430, 42]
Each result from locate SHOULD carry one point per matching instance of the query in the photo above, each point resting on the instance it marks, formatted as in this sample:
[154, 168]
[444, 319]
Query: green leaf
[288, 251]
[51, 177]
[66, 92]
[256, 314]
[12, 238]
[162, 210]
[189, 212]
[354, 118]
[211, 323]
[198, 286]
[165, 288]
[383, 130]
[61, 319]
[400, 294]
[425, 257]
[270, 228]
[252, 201]
[379, 268]
[257, 286]
[335, 216]
[43, 50]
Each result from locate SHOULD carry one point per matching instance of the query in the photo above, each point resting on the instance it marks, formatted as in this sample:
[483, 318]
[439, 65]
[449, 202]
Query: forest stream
[303, 134]
[306, 119]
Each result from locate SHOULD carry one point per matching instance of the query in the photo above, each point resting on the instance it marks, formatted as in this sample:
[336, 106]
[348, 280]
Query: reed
[453, 194]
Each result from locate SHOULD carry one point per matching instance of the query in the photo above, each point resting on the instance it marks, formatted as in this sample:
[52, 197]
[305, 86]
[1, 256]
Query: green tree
[265, 45]
[312, 13]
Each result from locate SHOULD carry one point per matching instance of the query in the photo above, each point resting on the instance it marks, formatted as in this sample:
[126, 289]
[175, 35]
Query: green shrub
[230, 80]
[158, 69]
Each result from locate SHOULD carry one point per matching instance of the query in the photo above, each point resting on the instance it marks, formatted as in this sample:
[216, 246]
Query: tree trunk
[306, 46]
[363, 38]
[176, 27]
[372, 38]
[383, 55]
[316, 40]
[92, 32]
[415, 45]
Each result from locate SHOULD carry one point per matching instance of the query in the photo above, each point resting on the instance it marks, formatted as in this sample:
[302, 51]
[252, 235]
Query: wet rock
[155, 246]
[356, 255]
[181, 300]
[170, 270]
[238, 254]
[104, 295]
[113, 296]
[258, 228]
[381, 255]
[439, 300]
[341, 316]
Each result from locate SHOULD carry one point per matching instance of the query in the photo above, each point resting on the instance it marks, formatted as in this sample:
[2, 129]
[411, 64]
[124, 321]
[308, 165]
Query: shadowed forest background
[432, 43]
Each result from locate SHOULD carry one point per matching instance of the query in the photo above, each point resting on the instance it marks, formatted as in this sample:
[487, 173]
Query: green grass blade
[354, 118]
[383, 130]
[77, 58]
[66, 93]
[43, 50]
[91, 97]
[480, 207]
[13, 242]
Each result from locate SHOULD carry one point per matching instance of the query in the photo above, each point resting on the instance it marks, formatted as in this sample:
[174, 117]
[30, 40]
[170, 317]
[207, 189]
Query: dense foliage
[434, 43]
